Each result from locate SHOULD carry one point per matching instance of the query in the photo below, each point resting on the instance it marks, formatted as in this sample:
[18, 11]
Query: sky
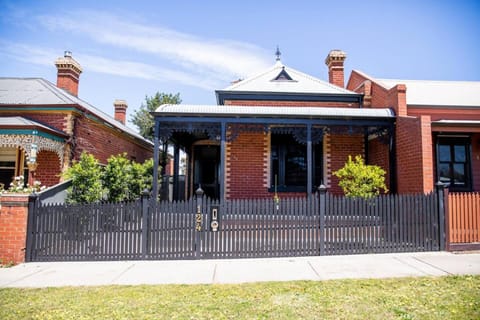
[132, 49]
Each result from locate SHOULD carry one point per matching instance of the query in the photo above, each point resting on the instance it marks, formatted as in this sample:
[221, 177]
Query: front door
[207, 160]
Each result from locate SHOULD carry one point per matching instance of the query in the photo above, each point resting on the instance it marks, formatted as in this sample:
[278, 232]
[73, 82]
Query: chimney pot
[334, 61]
[120, 110]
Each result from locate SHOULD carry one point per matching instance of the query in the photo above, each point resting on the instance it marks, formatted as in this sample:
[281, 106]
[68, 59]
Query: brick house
[278, 132]
[43, 127]
[437, 129]
[285, 131]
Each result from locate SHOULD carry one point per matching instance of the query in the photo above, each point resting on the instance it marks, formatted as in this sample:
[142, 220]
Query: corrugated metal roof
[261, 111]
[438, 93]
[40, 92]
[16, 122]
[300, 83]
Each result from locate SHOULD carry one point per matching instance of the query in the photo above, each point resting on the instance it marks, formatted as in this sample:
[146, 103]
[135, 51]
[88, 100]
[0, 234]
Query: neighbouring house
[283, 132]
[43, 127]
[437, 129]
[278, 132]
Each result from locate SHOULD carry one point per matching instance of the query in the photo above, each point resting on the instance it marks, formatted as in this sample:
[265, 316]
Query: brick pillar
[414, 155]
[397, 99]
[13, 227]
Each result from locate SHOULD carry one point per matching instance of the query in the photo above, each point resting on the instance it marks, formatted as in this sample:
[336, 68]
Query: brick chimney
[334, 62]
[68, 73]
[120, 110]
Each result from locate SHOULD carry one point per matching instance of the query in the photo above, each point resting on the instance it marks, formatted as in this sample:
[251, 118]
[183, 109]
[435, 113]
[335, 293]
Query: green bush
[125, 179]
[120, 180]
[117, 177]
[360, 180]
[86, 176]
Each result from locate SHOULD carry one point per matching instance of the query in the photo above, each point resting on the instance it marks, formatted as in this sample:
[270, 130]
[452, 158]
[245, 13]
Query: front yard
[451, 297]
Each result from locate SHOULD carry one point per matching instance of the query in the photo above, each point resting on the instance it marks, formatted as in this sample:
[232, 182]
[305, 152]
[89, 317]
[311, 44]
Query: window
[11, 165]
[453, 163]
[289, 164]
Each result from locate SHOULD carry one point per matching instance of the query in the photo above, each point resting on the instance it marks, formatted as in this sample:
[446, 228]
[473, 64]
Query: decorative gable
[283, 76]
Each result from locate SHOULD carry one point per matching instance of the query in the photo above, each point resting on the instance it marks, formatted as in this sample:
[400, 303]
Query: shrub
[120, 180]
[86, 176]
[360, 180]
[118, 176]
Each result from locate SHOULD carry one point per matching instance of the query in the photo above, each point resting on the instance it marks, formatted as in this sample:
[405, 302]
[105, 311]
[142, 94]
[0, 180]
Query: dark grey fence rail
[322, 224]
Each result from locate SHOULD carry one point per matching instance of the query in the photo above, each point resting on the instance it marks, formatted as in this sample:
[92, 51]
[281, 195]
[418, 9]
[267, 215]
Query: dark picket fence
[322, 224]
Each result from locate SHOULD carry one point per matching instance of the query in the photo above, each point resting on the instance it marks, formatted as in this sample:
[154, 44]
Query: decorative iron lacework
[383, 134]
[24, 142]
[300, 133]
[168, 128]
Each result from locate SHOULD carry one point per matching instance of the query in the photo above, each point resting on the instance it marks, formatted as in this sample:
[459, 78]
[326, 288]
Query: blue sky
[130, 49]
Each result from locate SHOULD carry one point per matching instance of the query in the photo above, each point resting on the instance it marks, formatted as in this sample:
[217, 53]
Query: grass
[451, 297]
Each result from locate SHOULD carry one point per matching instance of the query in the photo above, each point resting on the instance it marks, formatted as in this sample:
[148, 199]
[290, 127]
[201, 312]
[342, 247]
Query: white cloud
[218, 59]
[46, 56]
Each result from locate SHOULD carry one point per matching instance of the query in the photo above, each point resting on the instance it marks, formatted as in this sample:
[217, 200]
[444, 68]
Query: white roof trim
[457, 122]
[276, 112]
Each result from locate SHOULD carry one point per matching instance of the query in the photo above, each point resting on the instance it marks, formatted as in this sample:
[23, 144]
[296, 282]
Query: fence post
[322, 191]
[198, 220]
[32, 211]
[145, 225]
[441, 213]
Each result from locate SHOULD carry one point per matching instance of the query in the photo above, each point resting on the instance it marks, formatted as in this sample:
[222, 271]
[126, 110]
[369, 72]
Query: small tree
[142, 118]
[86, 176]
[360, 180]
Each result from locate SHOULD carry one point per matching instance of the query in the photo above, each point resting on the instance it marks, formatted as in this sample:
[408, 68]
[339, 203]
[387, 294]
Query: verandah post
[32, 211]
[198, 220]
[441, 213]
[145, 224]
[322, 191]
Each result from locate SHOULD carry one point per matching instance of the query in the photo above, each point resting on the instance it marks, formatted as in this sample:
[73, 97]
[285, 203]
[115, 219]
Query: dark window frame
[279, 145]
[452, 158]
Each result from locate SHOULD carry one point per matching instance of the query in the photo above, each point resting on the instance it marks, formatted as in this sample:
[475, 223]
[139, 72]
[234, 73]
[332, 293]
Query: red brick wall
[247, 167]
[48, 168]
[291, 103]
[378, 154]
[13, 228]
[414, 155]
[341, 146]
[102, 143]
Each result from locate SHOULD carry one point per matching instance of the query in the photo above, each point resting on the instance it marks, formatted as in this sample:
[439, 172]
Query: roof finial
[278, 54]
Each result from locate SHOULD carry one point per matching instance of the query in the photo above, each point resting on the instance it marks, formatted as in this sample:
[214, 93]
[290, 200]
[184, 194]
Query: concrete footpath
[55, 274]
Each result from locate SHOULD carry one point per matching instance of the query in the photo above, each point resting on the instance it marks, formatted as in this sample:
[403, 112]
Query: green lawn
[410, 298]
